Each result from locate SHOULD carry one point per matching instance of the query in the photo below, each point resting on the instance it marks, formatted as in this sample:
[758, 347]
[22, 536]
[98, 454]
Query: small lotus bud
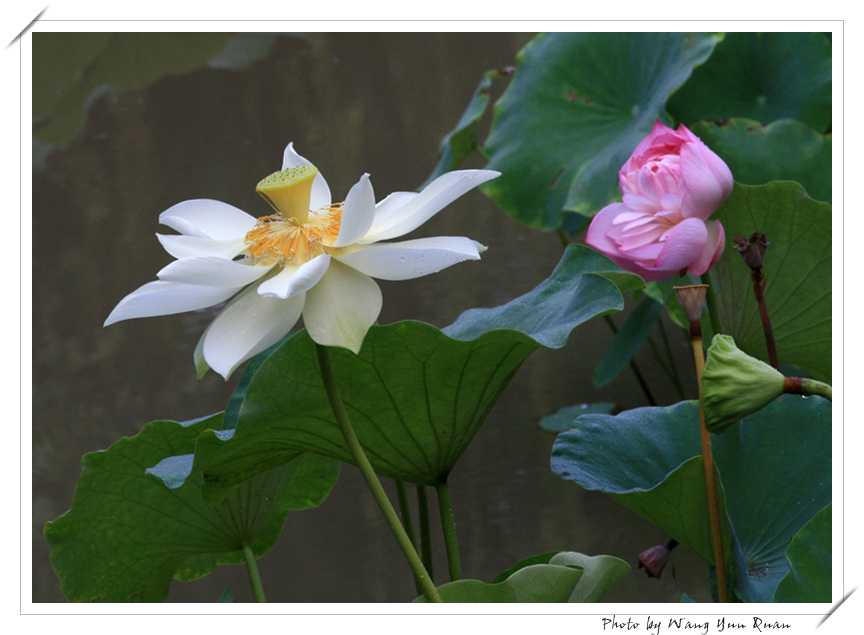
[735, 385]
[752, 250]
[654, 559]
[692, 299]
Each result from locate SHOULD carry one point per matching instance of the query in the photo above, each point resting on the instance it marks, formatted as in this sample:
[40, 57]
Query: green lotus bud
[735, 385]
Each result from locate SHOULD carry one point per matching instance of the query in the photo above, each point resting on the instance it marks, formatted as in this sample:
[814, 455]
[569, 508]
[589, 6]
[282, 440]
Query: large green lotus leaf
[70, 68]
[785, 150]
[774, 469]
[599, 573]
[534, 583]
[578, 105]
[563, 419]
[585, 284]
[809, 555]
[540, 578]
[761, 76]
[416, 395]
[129, 533]
[134, 60]
[797, 269]
[58, 61]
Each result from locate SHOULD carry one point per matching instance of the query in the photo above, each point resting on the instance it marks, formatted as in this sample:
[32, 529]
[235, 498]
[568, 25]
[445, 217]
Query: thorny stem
[753, 252]
[708, 464]
[254, 575]
[759, 292]
[449, 526]
[405, 512]
[371, 478]
[425, 528]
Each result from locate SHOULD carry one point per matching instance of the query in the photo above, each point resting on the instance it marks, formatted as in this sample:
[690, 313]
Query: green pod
[735, 385]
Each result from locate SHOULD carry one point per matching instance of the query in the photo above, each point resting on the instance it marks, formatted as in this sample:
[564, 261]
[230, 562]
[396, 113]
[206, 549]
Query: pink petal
[707, 181]
[624, 217]
[713, 248]
[649, 252]
[600, 227]
[646, 236]
[658, 130]
[638, 203]
[683, 246]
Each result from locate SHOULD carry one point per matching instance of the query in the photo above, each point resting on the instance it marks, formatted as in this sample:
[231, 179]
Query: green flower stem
[813, 387]
[759, 294]
[449, 527]
[407, 523]
[425, 529]
[371, 478]
[405, 511]
[708, 464]
[254, 575]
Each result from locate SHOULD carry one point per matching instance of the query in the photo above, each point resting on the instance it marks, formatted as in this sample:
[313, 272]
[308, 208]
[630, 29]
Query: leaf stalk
[371, 478]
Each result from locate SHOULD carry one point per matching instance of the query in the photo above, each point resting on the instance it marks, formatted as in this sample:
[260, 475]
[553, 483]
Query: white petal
[210, 271]
[247, 326]
[320, 190]
[208, 218]
[434, 197]
[201, 365]
[411, 258]
[191, 246]
[358, 212]
[341, 307]
[167, 298]
[391, 204]
[293, 281]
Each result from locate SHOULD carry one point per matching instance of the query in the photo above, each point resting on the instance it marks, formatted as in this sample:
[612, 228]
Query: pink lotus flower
[670, 185]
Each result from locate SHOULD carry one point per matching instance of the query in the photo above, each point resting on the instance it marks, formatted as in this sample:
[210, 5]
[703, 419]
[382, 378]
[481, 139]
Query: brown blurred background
[352, 103]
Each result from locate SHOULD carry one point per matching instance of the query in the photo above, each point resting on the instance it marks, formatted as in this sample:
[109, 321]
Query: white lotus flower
[312, 258]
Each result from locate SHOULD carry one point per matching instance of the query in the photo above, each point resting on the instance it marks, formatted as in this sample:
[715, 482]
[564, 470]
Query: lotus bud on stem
[753, 252]
[692, 299]
[735, 385]
[654, 559]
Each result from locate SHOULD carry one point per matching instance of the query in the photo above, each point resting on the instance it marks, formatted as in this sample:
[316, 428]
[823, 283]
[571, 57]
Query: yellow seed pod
[289, 191]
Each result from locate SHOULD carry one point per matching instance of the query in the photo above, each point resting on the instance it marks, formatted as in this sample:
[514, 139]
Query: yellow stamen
[277, 239]
[289, 191]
